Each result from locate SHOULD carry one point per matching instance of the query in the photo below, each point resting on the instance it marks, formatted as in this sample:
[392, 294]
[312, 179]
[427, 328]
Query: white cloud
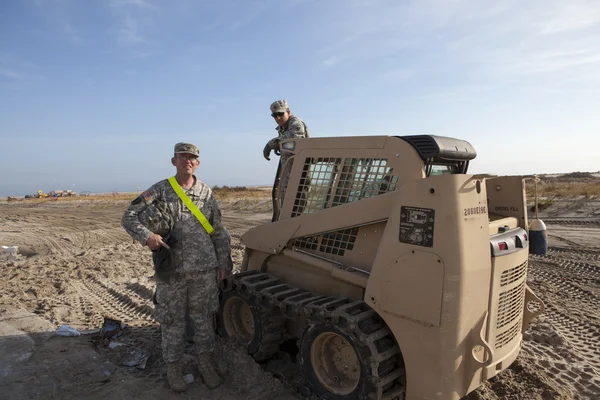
[134, 21]
[503, 41]
[572, 16]
[332, 61]
[17, 69]
[11, 74]
[398, 75]
[58, 14]
[135, 3]
[249, 16]
[74, 34]
[128, 32]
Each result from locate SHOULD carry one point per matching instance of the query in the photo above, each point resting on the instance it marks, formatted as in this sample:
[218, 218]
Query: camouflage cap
[187, 148]
[279, 106]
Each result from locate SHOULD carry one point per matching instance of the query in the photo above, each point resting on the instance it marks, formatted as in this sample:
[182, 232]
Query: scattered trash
[111, 328]
[189, 378]
[90, 331]
[114, 345]
[10, 252]
[138, 359]
[66, 330]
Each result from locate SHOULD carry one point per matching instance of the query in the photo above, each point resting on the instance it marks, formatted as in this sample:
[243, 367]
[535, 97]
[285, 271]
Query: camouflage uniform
[293, 128]
[195, 255]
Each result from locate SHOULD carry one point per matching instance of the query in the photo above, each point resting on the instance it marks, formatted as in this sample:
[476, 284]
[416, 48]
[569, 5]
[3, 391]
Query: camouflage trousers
[198, 295]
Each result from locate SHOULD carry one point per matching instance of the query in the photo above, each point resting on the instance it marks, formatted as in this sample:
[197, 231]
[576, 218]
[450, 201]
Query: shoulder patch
[147, 196]
[137, 200]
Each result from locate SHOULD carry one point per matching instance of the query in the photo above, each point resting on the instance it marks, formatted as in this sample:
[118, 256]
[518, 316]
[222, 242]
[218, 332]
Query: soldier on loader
[288, 127]
[179, 220]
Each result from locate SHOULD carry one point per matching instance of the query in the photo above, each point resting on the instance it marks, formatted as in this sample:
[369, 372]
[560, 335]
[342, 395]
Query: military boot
[175, 377]
[208, 372]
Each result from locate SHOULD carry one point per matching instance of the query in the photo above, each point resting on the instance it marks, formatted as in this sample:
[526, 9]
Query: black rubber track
[376, 347]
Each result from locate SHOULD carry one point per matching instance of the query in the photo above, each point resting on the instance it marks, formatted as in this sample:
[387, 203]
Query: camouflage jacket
[293, 128]
[195, 249]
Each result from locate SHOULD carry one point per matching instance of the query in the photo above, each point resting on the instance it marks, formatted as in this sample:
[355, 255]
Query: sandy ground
[78, 266]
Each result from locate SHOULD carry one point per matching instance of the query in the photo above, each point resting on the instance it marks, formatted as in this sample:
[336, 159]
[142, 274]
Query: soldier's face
[281, 117]
[185, 163]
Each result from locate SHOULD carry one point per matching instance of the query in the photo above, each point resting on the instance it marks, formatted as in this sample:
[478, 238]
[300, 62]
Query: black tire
[363, 385]
[340, 338]
[233, 321]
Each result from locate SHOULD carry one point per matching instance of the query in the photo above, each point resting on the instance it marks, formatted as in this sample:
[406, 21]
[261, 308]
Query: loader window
[330, 182]
[443, 169]
[362, 178]
[316, 185]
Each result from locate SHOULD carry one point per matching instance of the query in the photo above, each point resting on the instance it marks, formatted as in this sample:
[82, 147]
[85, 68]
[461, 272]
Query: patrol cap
[279, 106]
[187, 148]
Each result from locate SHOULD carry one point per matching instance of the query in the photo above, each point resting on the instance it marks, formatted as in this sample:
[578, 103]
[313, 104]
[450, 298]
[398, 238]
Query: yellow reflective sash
[188, 203]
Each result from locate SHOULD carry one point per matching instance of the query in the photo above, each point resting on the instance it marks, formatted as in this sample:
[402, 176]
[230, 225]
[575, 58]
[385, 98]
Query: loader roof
[441, 148]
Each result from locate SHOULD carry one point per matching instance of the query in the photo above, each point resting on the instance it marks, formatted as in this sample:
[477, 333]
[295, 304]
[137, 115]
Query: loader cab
[329, 172]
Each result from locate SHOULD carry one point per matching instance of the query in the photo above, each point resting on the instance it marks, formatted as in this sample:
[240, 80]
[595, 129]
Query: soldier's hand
[267, 152]
[155, 242]
[220, 274]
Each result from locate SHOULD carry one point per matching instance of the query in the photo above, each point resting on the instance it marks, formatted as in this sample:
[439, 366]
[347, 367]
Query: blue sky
[94, 94]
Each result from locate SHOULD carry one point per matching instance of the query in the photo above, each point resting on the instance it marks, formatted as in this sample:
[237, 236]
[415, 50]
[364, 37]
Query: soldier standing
[179, 220]
[288, 127]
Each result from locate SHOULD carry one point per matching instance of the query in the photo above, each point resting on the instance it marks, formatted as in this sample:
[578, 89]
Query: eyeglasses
[186, 158]
[277, 114]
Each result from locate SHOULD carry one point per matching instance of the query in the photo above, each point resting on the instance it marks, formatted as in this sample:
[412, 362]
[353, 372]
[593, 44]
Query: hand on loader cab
[267, 152]
[272, 144]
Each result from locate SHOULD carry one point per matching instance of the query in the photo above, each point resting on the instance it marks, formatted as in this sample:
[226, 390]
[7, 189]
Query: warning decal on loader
[416, 225]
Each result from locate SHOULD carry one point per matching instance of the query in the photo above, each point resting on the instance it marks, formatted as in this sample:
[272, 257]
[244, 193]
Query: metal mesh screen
[330, 182]
[505, 337]
[514, 274]
[335, 243]
[510, 305]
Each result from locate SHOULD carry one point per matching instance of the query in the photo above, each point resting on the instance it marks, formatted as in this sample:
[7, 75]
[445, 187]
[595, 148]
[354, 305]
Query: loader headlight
[289, 145]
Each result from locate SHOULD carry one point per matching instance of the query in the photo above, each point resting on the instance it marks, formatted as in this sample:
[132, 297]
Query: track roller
[243, 317]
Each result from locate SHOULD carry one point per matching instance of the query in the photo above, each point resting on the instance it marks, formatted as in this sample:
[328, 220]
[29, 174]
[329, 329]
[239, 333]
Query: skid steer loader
[400, 275]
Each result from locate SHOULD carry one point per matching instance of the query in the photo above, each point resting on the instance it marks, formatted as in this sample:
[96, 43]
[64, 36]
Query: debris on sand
[138, 359]
[66, 330]
[9, 252]
[111, 328]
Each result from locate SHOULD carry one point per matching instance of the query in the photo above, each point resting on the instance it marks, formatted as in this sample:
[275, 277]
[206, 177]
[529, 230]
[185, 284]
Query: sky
[95, 93]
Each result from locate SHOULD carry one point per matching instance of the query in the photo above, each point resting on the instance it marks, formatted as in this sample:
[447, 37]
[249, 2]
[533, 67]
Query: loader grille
[510, 305]
[505, 337]
[514, 274]
[330, 182]
[335, 243]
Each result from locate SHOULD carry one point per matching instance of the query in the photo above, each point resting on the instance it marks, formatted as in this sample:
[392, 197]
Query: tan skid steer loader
[400, 275]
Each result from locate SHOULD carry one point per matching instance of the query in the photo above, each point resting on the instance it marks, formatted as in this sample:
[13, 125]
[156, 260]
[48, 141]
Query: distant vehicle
[85, 193]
